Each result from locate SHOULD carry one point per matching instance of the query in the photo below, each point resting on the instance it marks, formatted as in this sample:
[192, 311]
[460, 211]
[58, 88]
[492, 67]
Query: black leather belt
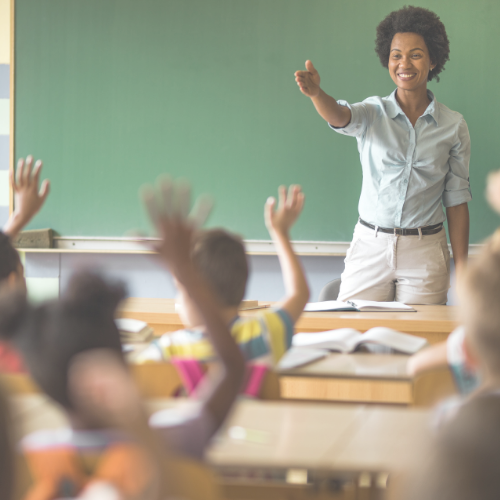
[403, 231]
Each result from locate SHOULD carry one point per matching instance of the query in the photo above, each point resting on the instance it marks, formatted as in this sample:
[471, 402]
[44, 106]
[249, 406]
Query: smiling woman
[415, 155]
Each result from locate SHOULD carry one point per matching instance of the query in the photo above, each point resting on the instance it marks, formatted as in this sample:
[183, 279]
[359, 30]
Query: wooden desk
[160, 314]
[362, 378]
[366, 378]
[319, 437]
[333, 439]
[434, 323]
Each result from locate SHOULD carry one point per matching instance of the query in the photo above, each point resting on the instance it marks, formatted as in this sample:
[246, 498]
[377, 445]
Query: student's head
[479, 293]
[220, 257]
[462, 462]
[11, 268]
[49, 336]
[412, 43]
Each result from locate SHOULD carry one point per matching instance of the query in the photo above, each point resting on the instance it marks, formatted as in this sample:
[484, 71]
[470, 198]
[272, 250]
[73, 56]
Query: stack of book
[133, 330]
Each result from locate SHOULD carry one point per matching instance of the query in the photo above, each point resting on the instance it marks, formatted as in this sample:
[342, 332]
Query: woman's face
[409, 61]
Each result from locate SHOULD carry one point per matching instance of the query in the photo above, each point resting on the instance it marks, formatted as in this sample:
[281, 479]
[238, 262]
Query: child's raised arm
[168, 208]
[278, 222]
[28, 198]
[327, 107]
[432, 357]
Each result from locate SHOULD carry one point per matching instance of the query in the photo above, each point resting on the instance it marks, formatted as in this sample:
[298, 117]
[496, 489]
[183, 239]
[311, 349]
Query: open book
[348, 340]
[358, 305]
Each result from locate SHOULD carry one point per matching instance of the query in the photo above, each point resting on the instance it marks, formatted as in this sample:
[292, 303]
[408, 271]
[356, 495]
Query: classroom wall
[4, 108]
[47, 274]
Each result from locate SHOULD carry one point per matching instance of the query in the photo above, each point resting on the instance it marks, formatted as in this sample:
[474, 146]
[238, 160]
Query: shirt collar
[393, 108]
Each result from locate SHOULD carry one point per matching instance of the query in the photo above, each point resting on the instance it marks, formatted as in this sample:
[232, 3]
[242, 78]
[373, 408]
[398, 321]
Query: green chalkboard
[111, 93]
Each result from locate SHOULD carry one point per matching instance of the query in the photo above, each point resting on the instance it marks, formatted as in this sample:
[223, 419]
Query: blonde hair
[480, 293]
[461, 462]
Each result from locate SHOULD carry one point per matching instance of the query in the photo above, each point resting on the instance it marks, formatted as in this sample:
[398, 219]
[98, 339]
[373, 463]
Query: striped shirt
[269, 332]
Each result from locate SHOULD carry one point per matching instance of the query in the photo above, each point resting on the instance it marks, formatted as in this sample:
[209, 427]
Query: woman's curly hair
[415, 20]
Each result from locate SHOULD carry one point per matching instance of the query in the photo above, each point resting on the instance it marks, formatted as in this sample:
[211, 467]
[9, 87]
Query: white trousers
[384, 267]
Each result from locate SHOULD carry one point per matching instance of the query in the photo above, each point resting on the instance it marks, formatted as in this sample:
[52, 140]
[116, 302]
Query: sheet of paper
[394, 306]
[328, 305]
[299, 356]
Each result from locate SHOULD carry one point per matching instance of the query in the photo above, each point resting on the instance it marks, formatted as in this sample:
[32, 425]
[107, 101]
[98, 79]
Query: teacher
[414, 154]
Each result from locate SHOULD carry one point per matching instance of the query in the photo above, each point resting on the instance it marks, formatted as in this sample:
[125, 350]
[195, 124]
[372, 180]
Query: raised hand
[308, 81]
[168, 206]
[493, 190]
[290, 206]
[28, 197]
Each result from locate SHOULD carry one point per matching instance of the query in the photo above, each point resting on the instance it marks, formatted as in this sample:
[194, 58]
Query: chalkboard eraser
[35, 238]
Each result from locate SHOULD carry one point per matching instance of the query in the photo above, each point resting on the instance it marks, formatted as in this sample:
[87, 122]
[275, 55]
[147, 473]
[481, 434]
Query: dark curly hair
[50, 335]
[415, 20]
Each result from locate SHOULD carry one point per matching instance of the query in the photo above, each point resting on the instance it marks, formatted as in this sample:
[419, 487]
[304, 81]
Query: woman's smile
[406, 76]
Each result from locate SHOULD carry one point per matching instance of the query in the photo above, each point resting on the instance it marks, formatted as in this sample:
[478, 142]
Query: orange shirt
[63, 469]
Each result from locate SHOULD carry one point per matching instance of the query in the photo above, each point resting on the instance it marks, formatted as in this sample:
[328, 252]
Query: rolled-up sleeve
[457, 186]
[359, 120]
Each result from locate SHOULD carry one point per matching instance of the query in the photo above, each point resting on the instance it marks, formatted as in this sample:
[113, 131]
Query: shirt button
[405, 181]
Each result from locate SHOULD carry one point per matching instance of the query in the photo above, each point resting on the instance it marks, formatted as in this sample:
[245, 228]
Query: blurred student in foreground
[455, 351]
[462, 460]
[52, 335]
[220, 256]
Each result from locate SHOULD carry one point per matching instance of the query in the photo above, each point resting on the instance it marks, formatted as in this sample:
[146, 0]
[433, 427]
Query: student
[414, 153]
[28, 200]
[102, 389]
[455, 352]
[49, 337]
[473, 351]
[220, 257]
[479, 293]
[461, 462]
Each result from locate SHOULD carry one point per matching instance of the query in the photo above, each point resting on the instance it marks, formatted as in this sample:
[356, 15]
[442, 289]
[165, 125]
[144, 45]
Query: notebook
[358, 305]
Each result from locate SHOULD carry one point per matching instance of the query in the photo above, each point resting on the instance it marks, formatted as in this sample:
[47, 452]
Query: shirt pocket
[442, 257]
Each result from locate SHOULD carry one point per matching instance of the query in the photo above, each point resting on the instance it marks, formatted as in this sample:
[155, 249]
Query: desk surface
[431, 322]
[265, 435]
[321, 437]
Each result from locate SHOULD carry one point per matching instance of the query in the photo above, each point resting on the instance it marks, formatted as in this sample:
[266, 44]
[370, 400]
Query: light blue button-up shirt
[407, 171]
